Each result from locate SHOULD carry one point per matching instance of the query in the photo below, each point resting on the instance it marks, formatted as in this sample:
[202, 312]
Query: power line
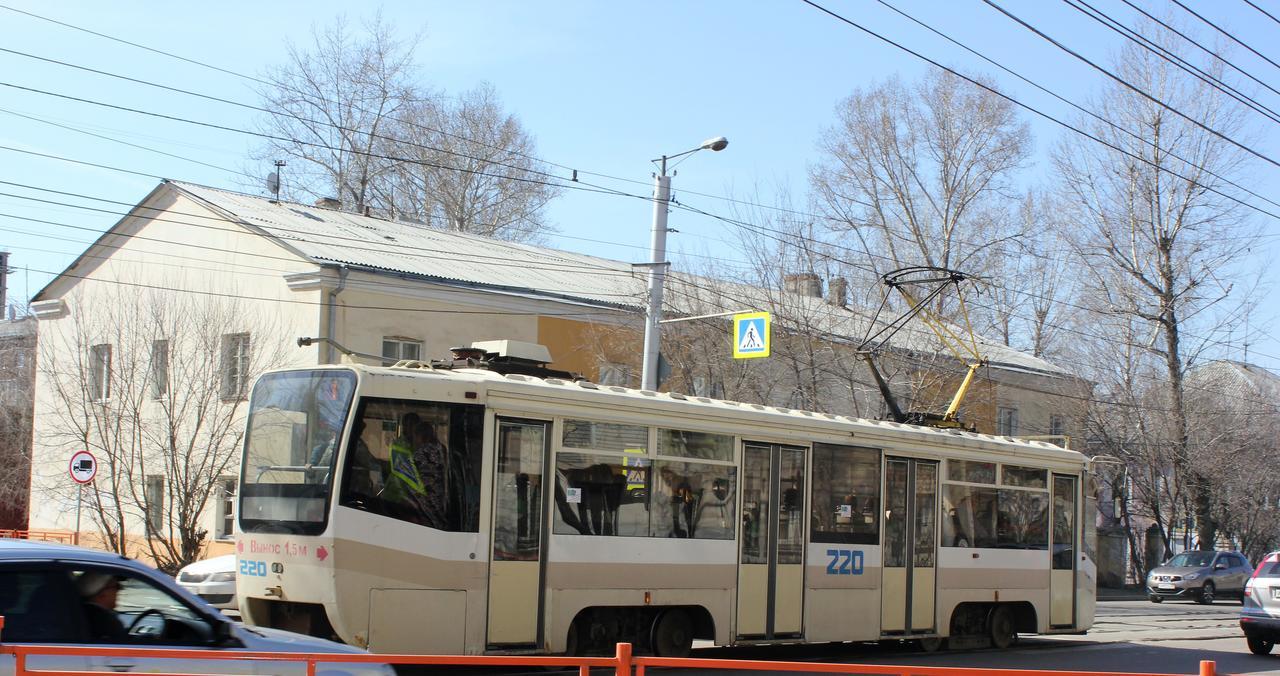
[1202, 48]
[1131, 86]
[1263, 11]
[1038, 112]
[1100, 118]
[1229, 36]
[1177, 61]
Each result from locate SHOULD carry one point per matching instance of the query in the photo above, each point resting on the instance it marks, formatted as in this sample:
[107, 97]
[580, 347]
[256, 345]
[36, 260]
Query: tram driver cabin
[477, 508]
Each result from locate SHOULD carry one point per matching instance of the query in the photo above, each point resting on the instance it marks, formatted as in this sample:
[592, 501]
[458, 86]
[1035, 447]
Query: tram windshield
[296, 420]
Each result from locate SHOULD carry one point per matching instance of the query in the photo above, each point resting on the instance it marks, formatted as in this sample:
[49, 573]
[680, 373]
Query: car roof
[34, 550]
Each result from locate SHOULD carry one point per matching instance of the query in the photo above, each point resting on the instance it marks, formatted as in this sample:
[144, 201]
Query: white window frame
[159, 375]
[398, 347]
[227, 489]
[236, 356]
[613, 373]
[100, 372]
[154, 490]
[1006, 421]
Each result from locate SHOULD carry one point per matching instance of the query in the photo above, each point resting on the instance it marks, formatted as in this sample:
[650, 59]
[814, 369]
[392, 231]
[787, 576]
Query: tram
[463, 508]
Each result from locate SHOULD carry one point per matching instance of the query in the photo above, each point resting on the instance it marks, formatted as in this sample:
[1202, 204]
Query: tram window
[601, 495]
[601, 436]
[1027, 477]
[416, 461]
[700, 445]
[970, 519]
[1022, 521]
[693, 500]
[971, 471]
[846, 495]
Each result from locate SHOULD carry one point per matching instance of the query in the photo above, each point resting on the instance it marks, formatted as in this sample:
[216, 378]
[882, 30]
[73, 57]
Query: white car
[213, 580]
[58, 595]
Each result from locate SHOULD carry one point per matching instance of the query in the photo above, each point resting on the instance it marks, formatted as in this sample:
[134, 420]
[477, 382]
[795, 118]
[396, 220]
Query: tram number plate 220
[844, 562]
[252, 568]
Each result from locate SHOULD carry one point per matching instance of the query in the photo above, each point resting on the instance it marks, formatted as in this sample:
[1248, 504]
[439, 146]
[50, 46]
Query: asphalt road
[1127, 636]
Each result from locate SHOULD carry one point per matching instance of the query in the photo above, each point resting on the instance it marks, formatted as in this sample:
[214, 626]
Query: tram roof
[533, 385]
[325, 235]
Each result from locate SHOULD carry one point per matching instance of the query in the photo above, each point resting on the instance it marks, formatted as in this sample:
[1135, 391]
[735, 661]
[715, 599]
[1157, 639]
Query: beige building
[199, 285]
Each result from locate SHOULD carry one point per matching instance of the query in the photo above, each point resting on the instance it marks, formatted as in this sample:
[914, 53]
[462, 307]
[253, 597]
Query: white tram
[413, 509]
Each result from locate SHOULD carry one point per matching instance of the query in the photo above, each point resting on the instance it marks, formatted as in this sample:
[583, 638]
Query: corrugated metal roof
[1248, 385]
[331, 236]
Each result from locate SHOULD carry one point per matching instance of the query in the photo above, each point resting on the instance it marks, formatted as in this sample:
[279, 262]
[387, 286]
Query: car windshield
[296, 420]
[1191, 560]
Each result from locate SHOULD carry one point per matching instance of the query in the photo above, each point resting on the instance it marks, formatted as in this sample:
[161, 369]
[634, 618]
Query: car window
[1191, 560]
[39, 606]
[120, 606]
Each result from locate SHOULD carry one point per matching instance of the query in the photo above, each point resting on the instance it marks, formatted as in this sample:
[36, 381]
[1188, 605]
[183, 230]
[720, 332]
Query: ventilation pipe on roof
[838, 291]
[330, 356]
[804, 283]
[329, 203]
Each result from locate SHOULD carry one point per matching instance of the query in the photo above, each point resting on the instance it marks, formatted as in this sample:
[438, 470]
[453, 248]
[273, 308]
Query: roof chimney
[329, 203]
[837, 291]
[804, 283]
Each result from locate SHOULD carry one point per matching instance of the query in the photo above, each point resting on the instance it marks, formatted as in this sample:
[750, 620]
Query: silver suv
[1260, 615]
[1200, 575]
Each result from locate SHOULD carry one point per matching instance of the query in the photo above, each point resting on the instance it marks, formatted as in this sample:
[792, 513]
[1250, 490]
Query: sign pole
[79, 495]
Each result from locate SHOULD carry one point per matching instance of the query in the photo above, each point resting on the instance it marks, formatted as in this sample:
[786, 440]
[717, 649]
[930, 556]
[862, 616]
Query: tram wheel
[673, 634]
[1003, 632]
[931, 644]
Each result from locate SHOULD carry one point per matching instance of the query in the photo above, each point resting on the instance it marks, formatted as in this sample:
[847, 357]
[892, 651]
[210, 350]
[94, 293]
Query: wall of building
[179, 251]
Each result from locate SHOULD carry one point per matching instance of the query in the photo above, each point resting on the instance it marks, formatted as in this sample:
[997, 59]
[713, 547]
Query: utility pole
[658, 262]
[4, 284]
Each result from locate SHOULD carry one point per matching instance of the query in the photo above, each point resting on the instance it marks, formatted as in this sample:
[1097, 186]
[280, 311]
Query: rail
[622, 663]
[44, 535]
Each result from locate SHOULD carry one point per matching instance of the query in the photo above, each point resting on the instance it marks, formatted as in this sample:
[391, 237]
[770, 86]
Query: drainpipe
[330, 356]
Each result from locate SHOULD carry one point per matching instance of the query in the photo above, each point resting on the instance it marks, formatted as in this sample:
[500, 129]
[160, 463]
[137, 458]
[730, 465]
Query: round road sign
[83, 467]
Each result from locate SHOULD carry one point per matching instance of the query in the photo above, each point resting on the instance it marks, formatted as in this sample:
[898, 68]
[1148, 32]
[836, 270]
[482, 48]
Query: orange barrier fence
[622, 663]
[44, 535]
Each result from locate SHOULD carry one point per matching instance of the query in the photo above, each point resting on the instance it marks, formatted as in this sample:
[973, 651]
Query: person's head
[98, 588]
[425, 432]
[409, 424]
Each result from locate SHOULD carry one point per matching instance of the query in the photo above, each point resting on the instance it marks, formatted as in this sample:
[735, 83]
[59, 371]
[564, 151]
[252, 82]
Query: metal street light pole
[658, 262]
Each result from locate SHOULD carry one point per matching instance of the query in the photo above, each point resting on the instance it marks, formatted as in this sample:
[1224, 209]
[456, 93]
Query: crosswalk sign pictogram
[751, 335]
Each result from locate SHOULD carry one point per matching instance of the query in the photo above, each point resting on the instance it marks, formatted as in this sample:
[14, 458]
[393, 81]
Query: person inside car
[98, 592]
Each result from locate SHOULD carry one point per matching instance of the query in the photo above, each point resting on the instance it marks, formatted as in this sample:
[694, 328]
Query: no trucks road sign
[83, 467]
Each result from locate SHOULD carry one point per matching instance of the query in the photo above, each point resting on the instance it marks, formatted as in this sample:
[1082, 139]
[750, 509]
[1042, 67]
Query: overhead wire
[1264, 12]
[1132, 87]
[1230, 36]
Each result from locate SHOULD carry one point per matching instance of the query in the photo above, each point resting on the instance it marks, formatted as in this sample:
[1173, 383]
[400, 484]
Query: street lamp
[658, 261]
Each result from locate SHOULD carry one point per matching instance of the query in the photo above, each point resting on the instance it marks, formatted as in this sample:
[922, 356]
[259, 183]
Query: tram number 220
[251, 568]
[844, 562]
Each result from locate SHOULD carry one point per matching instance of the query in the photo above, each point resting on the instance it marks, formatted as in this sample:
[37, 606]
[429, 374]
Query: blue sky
[603, 86]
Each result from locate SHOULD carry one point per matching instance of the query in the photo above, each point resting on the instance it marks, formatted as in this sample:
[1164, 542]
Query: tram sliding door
[519, 512]
[1062, 577]
[907, 602]
[771, 561]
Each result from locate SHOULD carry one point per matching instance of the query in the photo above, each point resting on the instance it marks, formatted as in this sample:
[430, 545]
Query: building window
[159, 369]
[154, 496]
[1006, 421]
[100, 372]
[1057, 425]
[235, 365]
[614, 374]
[226, 493]
[396, 349]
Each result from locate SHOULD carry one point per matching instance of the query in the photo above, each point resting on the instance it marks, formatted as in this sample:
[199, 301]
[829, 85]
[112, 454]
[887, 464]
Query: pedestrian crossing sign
[751, 335]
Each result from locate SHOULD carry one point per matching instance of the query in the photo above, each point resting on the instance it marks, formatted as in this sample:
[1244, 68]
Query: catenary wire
[1132, 87]
[1228, 34]
[1264, 12]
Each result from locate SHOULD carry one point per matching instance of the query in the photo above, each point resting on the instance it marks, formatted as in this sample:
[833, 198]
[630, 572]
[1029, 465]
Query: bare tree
[467, 166]
[919, 174]
[156, 391]
[17, 383]
[1155, 238]
[355, 123]
[332, 102]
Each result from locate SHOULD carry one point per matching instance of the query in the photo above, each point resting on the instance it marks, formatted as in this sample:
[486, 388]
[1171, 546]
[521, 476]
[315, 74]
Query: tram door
[519, 512]
[1065, 545]
[910, 546]
[771, 560]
